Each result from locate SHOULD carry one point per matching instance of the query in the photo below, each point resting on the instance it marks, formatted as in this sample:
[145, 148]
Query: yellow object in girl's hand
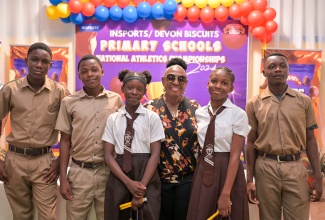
[214, 215]
[129, 204]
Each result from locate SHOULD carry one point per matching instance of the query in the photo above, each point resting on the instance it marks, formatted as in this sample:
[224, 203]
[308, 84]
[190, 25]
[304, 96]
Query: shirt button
[96, 142]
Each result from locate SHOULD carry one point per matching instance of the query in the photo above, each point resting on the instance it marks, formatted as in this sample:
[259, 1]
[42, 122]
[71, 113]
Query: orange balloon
[271, 26]
[75, 6]
[255, 18]
[109, 3]
[234, 11]
[244, 20]
[193, 13]
[96, 2]
[123, 3]
[151, 2]
[269, 14]
[246, 8]
[260, 5]
[88, 9]
[207, 14]
[266, 39]
[136, 2]
[259, 32]
[221, 13]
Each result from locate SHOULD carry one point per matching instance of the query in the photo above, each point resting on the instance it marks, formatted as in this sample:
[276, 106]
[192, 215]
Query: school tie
[208, 150]
[128, 137]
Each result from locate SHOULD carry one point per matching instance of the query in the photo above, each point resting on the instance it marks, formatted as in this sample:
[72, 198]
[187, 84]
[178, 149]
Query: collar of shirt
[227, 104]
[267, 93]
[140, 110]
[47, 84]
[84, 94]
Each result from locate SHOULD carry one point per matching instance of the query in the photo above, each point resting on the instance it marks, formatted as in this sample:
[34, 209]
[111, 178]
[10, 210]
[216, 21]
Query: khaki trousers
[282, 186]
[27, 186]
[88, 188]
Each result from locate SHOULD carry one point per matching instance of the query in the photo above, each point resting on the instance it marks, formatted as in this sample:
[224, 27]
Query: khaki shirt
[84, 118]
[32, 114]
[280, 125]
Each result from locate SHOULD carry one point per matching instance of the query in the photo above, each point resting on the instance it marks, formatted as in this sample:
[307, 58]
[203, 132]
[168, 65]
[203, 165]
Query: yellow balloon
[201, 3]
[238, 2]
[227, 3]
[178, 1]
[188, 3]
[52, 13]
[214, 3]
[63, 10]
[83, 1]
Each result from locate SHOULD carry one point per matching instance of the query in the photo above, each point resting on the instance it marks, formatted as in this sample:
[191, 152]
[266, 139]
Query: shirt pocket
[223, 130]
[145, 135]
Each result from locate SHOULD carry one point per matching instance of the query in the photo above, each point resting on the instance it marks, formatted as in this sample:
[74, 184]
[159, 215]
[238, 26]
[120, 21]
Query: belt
[87, 165]
[30, 151]
[280, 158]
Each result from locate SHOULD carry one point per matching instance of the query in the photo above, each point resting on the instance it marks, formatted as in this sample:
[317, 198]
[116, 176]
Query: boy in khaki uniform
[81, 121]
[29, 173]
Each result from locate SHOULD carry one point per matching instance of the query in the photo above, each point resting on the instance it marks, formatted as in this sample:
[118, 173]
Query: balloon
[255, 18]
[157, 10]
[123, 3]
[269, 14]
[130, 14]
[63, 10]
[193, 13]
[260, 5]
[115, 13]
[83, 1]
[271, 26]
[181, 13]
[259, 32]
[109, 3]
[188, 3]
[214, 3]
[234, 11]
[246, 8]
[221, 13]
[227, 3]
[77, 18]
[170, 7]
[266, 39]
[239, 2]
[201, 3]
[96, 2]
[136, 2]
[66, 20]
[101, 13]
[55, 2]
[244, 20]
[144, 9]
[52, 13]
[207, 14]
[75, 6]
[151, 2]
[168, 16]
[88, 9]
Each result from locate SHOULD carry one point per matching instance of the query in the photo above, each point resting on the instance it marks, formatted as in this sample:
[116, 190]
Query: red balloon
[234, 11]
[259, 32]
[250, 28]
[221, 13]
[269, 14]
[255, 18]
[88, 9]
[246, 8]
[136, 2]
[207, 14]
[75, 6]
[162, 1]
[260, 5]
[193, 13]
[271, 26]
[96, 2]
[181, 13]
[109, 3]
[244, 20]
[123, 3]
[151, 2]
[266, 39]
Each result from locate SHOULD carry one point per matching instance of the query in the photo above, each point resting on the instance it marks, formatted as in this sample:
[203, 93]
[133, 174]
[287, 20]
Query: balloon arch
[254, 13]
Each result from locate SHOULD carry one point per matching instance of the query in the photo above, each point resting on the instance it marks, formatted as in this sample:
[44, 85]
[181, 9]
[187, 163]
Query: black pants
[174, 200]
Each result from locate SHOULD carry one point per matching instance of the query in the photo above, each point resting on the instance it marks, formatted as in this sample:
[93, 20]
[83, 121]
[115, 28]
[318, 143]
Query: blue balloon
[144, 9]
[77, 18]
[130, 14]
[168, 16]
[66, 20]
[55, 2]
[170, 6]
[115, 13]
[157, 10]
[101, 13]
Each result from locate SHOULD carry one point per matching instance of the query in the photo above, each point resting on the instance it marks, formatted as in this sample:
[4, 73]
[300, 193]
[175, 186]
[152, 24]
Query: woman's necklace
[173, 110]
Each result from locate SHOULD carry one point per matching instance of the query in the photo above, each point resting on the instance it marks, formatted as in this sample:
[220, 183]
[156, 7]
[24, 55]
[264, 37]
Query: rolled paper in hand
[129, 204]
[214, 215]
